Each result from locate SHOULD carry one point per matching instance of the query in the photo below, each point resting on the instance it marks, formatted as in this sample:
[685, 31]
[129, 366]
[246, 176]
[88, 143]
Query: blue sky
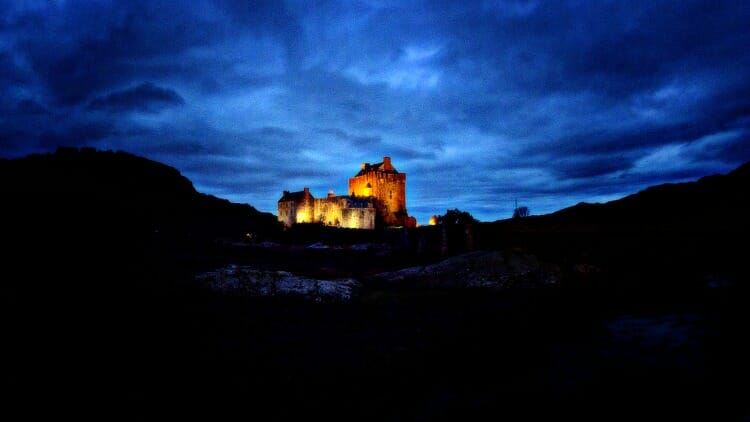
[480, 103]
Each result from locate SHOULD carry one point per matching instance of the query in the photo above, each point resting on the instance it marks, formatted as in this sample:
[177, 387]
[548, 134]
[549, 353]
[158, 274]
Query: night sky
[481, 104]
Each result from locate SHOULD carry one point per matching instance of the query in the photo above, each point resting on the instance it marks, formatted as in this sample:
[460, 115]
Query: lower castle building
[377, 198]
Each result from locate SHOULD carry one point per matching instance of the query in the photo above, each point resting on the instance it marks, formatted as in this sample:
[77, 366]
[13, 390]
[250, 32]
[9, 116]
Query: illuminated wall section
[306, 208]
[287, 213]
[328, 210]
[344, 211]
[358, 218]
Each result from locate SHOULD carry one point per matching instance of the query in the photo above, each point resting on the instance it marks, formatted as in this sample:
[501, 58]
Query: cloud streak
[145, 97]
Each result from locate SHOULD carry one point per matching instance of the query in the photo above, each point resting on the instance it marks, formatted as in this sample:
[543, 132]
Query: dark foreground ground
[101, 316]
[111, 342]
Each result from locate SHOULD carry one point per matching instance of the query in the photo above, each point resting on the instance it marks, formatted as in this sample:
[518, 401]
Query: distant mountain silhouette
[712, 202]
[666, 234]
[104, 199]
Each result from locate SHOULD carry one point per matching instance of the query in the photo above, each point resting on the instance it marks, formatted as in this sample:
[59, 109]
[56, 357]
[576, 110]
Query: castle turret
[387, 166]
[387, 186]
[296, 207]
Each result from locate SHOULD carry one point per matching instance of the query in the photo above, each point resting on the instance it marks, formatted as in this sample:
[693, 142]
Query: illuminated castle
[377, 198]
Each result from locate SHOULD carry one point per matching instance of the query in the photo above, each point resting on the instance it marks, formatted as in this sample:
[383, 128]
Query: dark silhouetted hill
[113, 205]
[713, 202]
[672, 234]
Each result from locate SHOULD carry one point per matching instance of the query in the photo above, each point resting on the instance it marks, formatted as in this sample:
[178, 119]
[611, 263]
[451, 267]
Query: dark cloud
[481, 103]
[354, 140]
[81, 134]
[577, 167]
[10, 72]
[274, 133]
[31, 107]
[728, 147]
[82, 48]
[103, 46]
[145, 97]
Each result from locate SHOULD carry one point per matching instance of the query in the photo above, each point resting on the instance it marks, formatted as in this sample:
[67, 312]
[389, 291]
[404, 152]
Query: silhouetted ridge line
[715, 200]
[104, 196]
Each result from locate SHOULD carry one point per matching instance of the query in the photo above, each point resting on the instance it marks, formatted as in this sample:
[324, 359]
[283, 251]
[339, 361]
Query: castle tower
[387, 186]
[296, 207]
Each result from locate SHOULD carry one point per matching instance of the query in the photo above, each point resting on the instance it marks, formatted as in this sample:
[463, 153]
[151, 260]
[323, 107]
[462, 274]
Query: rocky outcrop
[481, 269]
[253, 282]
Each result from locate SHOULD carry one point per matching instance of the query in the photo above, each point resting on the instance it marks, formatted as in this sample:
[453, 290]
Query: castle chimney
[364, 166]
[387, 163]
[330, 194]
[307, 191]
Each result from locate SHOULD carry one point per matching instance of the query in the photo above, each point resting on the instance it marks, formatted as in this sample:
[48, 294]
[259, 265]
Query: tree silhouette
[522, 211]
[456, 217]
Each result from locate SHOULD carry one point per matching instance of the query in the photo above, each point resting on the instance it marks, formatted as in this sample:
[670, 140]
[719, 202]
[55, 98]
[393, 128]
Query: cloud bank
[480, 103]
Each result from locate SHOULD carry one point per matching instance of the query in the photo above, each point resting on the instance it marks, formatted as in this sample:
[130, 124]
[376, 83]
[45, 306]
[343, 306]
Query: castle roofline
[384, 166]
[295, 196]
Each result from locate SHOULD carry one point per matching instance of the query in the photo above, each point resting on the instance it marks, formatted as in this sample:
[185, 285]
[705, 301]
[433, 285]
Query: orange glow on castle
[377, 198]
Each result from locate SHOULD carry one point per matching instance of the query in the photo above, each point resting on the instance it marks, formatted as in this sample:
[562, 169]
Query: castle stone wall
[328, 210]
[287, 213]
[358, 218]
[389, 189]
